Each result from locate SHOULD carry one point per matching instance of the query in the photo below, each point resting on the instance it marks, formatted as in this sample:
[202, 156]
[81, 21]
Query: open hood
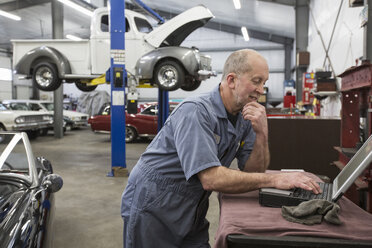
[175, 31]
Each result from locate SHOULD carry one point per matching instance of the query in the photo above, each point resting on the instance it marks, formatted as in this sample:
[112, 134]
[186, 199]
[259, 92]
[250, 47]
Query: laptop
[272, 197]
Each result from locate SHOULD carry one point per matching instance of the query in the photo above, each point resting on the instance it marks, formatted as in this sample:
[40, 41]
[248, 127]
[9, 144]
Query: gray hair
[238, 62]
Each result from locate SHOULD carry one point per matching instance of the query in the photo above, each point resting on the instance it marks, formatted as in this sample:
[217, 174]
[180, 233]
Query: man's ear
[231, 80]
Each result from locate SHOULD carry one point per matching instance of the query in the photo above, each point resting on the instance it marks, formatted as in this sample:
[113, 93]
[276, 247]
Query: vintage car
[24, 120]
[142, 124]
[152, 55]
[72, 119]
[27, 187]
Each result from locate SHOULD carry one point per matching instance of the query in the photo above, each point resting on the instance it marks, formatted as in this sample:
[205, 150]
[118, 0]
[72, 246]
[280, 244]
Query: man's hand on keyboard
[289, 180]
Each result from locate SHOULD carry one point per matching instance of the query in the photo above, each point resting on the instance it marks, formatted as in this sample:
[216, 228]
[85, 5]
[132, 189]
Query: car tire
[43, 131]
[191, 85]
[169, 75]
[2, 137]
[68, 127]
[45, 77]
[130, 134]
[83, 87]
[32, 134]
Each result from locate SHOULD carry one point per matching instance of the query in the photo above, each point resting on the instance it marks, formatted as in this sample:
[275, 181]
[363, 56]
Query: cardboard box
[303, 58]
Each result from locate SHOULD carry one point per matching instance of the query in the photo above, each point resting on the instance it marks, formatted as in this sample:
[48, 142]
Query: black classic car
[27, 185]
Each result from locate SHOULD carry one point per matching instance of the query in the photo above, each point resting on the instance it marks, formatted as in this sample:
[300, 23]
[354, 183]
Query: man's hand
[256, 113]
[295, 180]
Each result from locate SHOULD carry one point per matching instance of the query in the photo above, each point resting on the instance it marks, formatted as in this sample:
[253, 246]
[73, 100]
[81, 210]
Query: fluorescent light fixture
[11, 16]
[245, 34]
[237, 4]
[77, 7]
[73, 37]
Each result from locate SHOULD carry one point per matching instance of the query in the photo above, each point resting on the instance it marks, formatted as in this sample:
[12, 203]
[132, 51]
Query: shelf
[325, 93]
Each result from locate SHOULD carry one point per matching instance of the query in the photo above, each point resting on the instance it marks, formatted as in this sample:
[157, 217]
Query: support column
[57, 29]
[302, 28]
[367, 42]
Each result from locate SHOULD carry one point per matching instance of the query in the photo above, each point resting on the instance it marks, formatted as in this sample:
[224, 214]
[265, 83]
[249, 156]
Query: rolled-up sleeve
[194, 139]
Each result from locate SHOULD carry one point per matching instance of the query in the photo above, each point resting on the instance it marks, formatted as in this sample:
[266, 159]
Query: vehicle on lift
[27, 187]
[22, 119]
[151, 55]
[142, 124]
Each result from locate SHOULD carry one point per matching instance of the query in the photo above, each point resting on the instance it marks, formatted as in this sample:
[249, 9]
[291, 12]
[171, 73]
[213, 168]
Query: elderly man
[166, 199]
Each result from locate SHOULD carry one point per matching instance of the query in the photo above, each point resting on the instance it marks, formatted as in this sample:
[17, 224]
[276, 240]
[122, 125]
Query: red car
[142, 124]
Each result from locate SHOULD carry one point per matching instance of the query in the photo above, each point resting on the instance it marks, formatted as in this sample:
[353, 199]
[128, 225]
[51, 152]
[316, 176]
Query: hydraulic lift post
[117, 79]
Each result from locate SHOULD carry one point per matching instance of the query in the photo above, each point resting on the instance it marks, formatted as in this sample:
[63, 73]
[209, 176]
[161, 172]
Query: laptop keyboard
[308, 195]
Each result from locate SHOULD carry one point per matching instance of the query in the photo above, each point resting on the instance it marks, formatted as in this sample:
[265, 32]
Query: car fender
[43, 54]
[187, 57]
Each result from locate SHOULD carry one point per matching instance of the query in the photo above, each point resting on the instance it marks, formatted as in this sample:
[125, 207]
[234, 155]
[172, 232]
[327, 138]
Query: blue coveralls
[164, 203]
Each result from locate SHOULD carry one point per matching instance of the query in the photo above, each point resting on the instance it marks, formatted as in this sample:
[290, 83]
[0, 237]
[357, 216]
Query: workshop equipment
[356, 88]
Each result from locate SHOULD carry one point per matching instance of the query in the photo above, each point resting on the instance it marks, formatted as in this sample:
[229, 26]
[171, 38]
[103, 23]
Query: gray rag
[312, 212]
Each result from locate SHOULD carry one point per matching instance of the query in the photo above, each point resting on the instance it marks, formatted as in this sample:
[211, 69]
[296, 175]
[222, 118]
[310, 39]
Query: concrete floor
[88, 206]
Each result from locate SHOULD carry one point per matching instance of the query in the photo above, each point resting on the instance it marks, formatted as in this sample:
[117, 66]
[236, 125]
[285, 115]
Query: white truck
[151, 55]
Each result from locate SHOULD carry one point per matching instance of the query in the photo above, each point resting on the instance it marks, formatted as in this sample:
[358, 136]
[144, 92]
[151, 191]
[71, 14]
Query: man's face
[250, 86]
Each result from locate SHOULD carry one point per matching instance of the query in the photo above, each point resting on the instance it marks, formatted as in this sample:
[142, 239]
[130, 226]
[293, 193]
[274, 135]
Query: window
[143, 25]
[19, 106]
[5, 74]
[35, 106]
[48, 105]
[152, 110]
[104, 23]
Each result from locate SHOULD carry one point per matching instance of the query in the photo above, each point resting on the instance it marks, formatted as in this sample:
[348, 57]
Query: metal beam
[256, 34]
[231, 49]
[283, 2]
[14, 5]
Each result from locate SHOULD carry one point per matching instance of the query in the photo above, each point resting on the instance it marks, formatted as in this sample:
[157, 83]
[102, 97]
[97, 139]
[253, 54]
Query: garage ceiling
[266, 17]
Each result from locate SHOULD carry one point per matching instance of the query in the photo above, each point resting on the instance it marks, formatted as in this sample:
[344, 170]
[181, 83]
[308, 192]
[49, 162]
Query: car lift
[117, 76]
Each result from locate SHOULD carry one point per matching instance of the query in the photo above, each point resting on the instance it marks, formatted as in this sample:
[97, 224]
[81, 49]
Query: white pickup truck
[151, 55]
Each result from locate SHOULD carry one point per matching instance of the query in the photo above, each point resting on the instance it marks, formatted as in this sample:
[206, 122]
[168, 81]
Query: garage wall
[346, 46]
[5, 78]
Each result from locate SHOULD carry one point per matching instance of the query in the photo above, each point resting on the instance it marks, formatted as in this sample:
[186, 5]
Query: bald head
[239, 62]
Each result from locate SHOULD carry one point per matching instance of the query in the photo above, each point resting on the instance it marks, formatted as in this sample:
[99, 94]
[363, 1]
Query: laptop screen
[353, 169]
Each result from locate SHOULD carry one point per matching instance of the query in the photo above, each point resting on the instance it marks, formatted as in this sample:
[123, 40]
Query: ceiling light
[77, 7]
[237, 4]
[73, 37]
[11, 16]
[245, 34]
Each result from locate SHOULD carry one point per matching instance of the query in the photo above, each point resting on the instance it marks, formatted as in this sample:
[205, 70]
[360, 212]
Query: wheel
[43, 131]
[68, 127]
[169, 75]
[83, 87]
[3, 137]
[130, 134]
[32, 134]
[45, 77]
[191, 85]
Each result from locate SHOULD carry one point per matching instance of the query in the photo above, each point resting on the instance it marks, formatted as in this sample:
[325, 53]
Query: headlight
[197, 55]
[20, 119]
[47, 118]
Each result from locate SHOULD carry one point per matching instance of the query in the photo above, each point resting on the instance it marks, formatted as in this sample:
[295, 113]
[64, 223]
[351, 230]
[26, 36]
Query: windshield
[18, 106]
[143, 25]
[2, 107]
[13, 155]
[48, 105]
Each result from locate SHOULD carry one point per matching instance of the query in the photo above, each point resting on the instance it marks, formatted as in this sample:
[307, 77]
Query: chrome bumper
[31, 126]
